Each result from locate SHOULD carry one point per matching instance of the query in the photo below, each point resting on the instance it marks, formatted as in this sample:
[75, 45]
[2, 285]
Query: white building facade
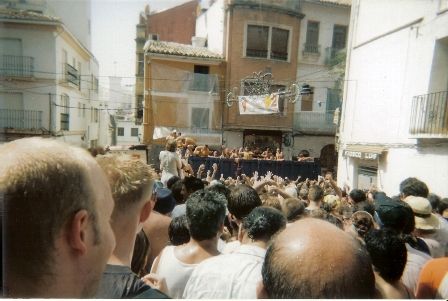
[323, 33]
[49, 76]
[394, 121]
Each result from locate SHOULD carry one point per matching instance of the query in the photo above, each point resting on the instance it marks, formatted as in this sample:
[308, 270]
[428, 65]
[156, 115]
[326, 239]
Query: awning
[363, 151]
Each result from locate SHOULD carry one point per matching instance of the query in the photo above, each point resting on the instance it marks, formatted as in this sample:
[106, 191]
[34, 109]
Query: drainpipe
[49, 119]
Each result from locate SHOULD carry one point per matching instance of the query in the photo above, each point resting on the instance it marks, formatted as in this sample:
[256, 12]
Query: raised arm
[335, 186]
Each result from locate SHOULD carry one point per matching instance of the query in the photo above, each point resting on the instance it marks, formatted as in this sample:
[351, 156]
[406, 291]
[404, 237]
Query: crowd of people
[186, 147]
[80, 225]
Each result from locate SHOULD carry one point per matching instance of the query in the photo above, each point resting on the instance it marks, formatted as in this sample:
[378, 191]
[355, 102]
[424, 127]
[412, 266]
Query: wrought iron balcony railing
[429, 116]
[20, 119]
[311, 48]
[71, 74]
[314, 121]
[20, 66]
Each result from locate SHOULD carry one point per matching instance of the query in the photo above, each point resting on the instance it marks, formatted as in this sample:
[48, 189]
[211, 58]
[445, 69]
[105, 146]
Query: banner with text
[259, 104]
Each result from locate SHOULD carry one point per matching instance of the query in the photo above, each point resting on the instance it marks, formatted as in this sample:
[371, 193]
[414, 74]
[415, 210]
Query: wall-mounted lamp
[296, 91]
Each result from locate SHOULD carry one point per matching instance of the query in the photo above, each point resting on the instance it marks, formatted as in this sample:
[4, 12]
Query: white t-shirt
[232, 276]
[176, 273]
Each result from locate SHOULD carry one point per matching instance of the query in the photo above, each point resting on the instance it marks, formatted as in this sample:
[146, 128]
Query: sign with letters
[360, 155]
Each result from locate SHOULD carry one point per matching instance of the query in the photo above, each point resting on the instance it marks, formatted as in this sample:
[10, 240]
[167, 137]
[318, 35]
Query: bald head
[314, 259]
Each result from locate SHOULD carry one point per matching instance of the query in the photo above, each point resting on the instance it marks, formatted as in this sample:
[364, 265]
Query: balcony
[429, 116]
[318, 122]
[18, 66]
[71, 75]
[330, 53]
[20, 119]
[202, 135]
[295, 5]
[311, 48]
[198, 82]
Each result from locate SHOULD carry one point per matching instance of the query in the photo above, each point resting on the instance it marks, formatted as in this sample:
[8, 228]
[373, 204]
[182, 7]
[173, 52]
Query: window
[307, 104]
[201, 78]
[94, 115]
[339, 37]
[267, 42]
[120, 131]
[94, 83]
[200, 118]
[141, 64]
[140, 106]
[279, 48]
[312, 37]
[79, 76]
[65, 109]
[83, 110]
[153, 37]
[134, 132]
[333, 100]
[79, 109]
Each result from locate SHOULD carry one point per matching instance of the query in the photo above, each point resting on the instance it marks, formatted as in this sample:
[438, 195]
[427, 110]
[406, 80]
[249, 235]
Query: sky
[113, 34]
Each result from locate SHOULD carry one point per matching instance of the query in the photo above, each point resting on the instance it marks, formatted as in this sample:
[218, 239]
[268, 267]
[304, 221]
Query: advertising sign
[259, 104]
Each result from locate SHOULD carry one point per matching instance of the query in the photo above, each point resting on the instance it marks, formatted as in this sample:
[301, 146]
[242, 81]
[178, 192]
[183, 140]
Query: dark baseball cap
[390, 212]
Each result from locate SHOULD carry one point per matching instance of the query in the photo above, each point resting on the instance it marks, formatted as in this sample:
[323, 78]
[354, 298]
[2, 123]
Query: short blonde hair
[129, 178]
[44, 183]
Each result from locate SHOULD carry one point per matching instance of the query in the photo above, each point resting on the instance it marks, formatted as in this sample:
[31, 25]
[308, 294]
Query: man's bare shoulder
[156, 221]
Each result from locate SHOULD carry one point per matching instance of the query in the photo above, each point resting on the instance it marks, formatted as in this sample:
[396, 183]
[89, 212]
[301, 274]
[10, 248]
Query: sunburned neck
[195, 251]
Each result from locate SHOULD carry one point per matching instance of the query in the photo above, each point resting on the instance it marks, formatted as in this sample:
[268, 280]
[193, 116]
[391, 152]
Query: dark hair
[178, 231]
[303, 194]
[205, 213]
[345, 211]
[363, 222]
[319, 213]
[315, 193]
[304, 153]
[220, 188]
[434, 200]
[408, 224]
[358, 195]
[414, 187]
[263, 222]
[365, 206]
[97, 150]
[193, 183]
[327, 207]
[176, 189]
[140, 255]
[335, 221]
[293, 209]
[443, 205]
[243, 199]
[387, 252]
[171, 181]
